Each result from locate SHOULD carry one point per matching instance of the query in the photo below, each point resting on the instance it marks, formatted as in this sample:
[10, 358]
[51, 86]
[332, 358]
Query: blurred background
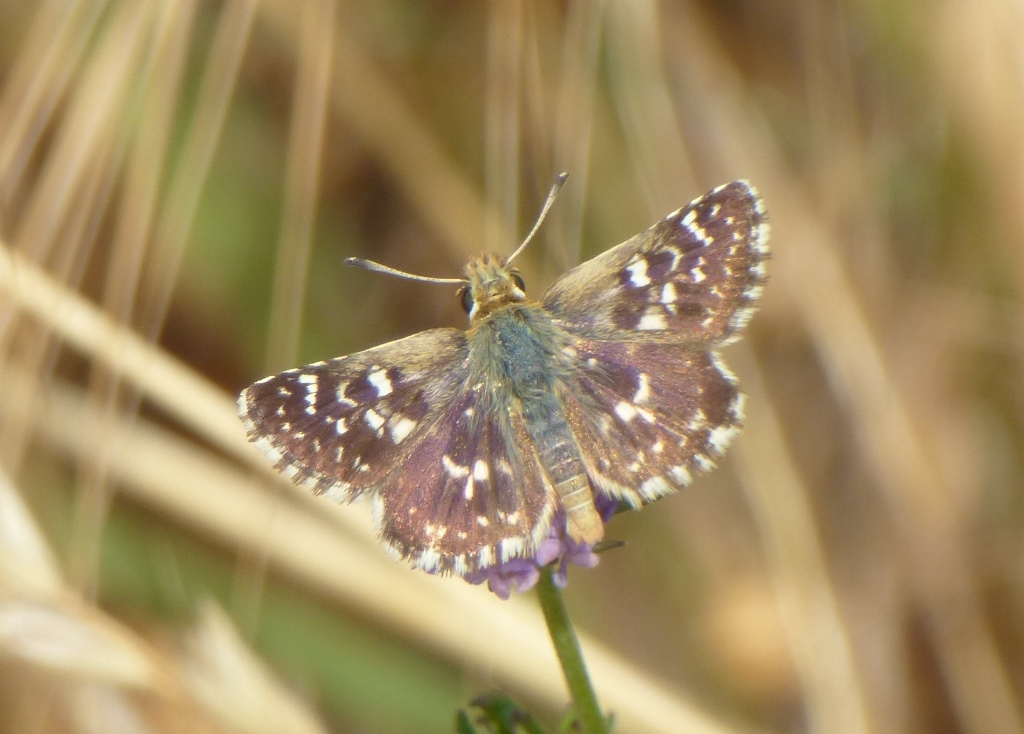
[179, 184]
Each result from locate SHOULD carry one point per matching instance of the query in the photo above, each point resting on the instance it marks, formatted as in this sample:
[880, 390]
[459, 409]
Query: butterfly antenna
[555, 188]
[358, 262]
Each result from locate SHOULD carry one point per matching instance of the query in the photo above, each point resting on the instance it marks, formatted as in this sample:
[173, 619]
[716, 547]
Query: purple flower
[522, 574]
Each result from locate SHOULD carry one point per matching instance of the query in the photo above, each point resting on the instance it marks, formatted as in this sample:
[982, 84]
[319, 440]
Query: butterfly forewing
[693, 277]
[343, 425]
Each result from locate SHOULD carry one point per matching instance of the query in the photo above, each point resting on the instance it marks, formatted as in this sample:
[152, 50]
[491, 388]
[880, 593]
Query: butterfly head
[492, 285]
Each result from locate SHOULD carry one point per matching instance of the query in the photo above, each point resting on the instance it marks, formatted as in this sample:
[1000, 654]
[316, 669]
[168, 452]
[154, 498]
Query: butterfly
[472, 443]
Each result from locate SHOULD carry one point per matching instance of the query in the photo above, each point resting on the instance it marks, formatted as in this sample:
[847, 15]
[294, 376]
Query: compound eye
[520, 284]
[466, 295]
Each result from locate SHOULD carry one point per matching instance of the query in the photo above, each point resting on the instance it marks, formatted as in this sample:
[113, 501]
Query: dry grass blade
[182, 196]
[27, 565]
[918, 499]
[366, 99]
[574, 117]
[235, 686]
[93, 660]
[502, 131]
[51, 53]
[180, 391]
[643, 101]
[65, 640]
[816, 630]
[302, 179]
[71, 639]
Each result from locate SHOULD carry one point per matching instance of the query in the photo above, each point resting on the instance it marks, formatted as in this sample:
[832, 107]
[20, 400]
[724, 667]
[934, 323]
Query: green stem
[568, 648]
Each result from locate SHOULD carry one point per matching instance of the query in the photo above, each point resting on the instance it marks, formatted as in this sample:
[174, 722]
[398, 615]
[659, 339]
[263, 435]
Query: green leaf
[499, 714]
[463, 725]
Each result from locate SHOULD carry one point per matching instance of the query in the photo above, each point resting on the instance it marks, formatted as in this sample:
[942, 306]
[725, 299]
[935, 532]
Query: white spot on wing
[374, 419]
[723, 369]
[643, 391]
[340, 393]
[401, 428]
[737, 408]
[720, 438]
[703, 462]
[428, 560]
[676, 257]
[312, 385]
[268, 449]
[510, 548]
[338, 492]
[682, 475]
[638, 273]
[380, 382]
[654, 488]
[652, 321]
[454, 470]
[625, 411]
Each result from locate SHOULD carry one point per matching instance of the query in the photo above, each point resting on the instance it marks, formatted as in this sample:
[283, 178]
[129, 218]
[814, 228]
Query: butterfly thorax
[492, 285]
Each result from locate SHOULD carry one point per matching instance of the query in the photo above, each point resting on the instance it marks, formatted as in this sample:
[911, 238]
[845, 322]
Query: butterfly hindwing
[693, 277]
[472, 493]
[649, 416]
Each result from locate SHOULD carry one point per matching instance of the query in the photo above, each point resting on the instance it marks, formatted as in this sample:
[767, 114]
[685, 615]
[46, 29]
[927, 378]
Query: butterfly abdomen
[560, 458]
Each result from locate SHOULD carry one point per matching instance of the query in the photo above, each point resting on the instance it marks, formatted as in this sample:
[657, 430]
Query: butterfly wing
[693, 277]
[648, 416]
[650, 402]
[472, 494]
[339, 427]
[455, 482]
